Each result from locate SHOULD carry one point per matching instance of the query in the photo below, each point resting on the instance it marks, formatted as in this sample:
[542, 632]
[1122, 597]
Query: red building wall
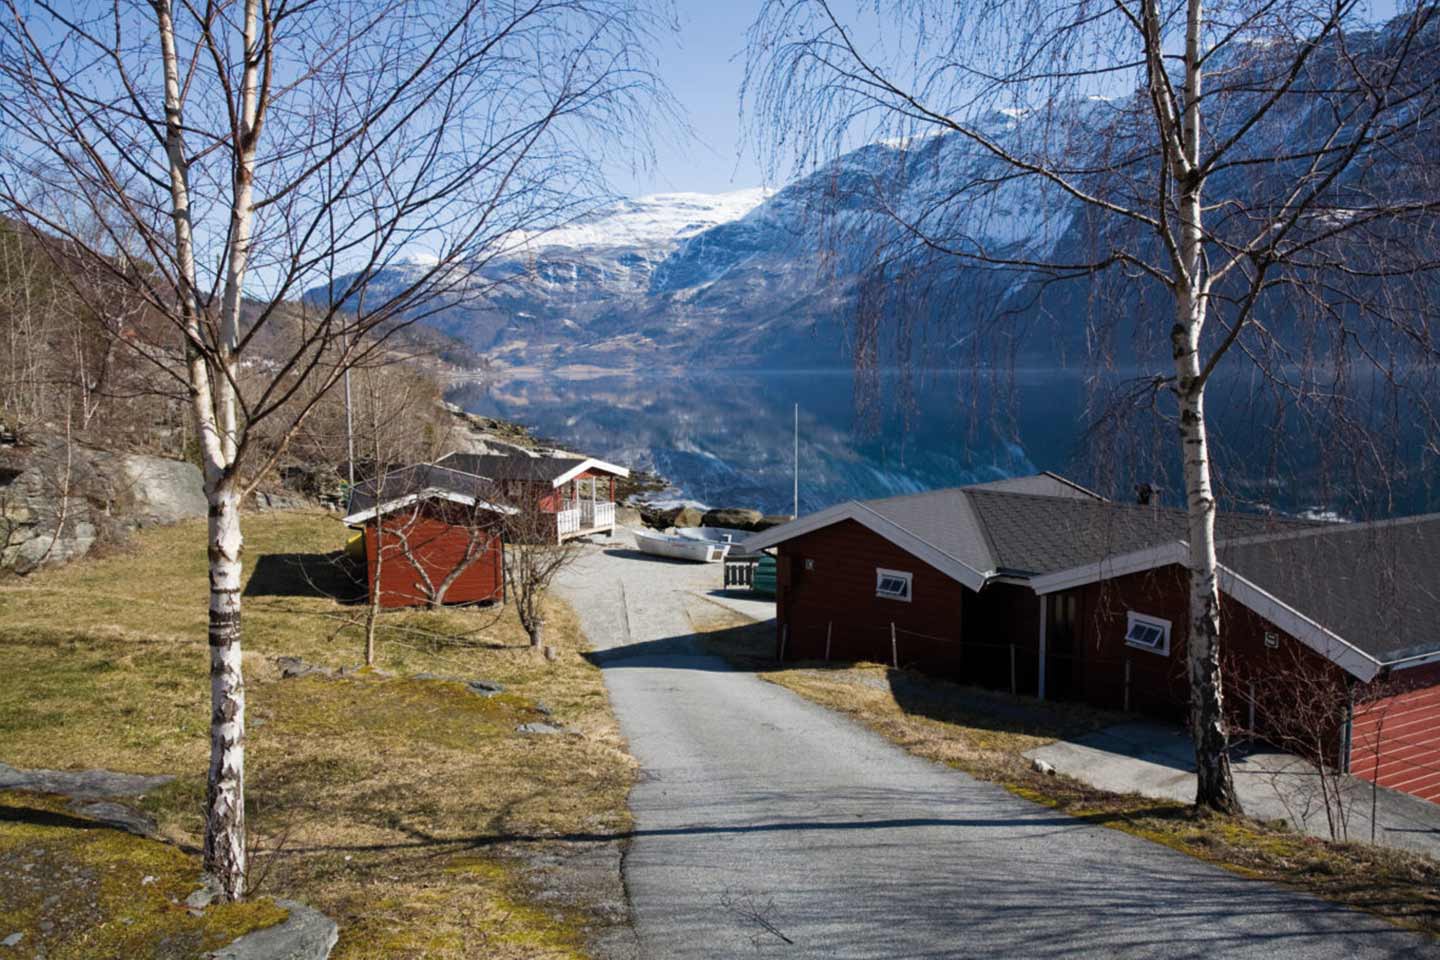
[1159, 685]
[837, 591]
[436, 547]
[1403, 728]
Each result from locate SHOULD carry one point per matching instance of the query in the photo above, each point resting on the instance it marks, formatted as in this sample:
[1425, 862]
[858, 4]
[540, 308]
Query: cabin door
[1062, 653]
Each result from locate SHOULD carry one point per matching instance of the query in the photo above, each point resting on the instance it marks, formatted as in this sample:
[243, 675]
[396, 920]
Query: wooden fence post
[829, 628]
[894, 647]
[1013, 688]
[1127, 684]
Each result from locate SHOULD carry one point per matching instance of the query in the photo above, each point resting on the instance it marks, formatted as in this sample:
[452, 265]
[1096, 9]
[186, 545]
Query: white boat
[680, 548]
[719, 535]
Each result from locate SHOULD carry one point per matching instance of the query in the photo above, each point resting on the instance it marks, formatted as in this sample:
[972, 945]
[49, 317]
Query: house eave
[953, 568]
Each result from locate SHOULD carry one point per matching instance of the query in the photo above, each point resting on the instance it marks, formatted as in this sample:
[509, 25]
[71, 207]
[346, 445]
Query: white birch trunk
[1214, 787]
[215, 427]
[225, 790]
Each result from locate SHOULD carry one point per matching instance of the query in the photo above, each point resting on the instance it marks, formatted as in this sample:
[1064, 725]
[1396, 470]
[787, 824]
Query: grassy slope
[393, 805]
[985, 735]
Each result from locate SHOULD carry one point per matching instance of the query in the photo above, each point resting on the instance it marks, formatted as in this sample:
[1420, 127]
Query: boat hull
[681, 548]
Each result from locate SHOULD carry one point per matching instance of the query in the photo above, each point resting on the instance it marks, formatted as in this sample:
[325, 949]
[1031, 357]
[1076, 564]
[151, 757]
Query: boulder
[736, 518]
[682, 517]
[307, 934]
[155, 490]
[772, 520]
[627, 516]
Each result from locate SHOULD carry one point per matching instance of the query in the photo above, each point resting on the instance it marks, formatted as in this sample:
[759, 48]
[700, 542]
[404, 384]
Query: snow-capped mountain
[794, 278]
[749, 278]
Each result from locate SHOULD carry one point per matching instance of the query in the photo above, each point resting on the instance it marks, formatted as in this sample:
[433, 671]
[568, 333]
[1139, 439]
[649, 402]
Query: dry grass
[411, 812]
[985, 734]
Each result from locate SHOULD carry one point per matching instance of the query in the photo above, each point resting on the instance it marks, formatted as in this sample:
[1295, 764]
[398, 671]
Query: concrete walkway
[1156, 760]
[768, 826]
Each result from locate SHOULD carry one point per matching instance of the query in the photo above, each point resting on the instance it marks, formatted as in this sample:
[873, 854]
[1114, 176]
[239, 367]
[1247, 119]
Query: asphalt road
[768, 826]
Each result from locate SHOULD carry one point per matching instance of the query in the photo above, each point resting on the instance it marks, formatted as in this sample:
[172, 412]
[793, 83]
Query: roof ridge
[1324, 529]
[979, 518]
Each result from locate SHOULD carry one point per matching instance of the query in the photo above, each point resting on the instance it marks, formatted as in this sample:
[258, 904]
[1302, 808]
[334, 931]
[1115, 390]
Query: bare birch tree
[369, 156]
[1234, 170]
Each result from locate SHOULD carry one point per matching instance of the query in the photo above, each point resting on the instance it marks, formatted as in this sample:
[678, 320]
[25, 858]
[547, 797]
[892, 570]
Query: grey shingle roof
[518, 467]
[990, 527]
[406, 481]
[1377, 585]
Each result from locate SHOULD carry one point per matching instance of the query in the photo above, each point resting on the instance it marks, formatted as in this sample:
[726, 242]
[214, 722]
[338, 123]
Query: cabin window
[1148, 633]
[892, 584]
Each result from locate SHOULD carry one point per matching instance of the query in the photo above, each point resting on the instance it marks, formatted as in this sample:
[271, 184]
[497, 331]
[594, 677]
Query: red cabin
[433, 536]
[1044, 588]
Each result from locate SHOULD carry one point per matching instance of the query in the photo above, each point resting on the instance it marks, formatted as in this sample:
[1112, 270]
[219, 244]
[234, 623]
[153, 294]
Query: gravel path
[769, 826]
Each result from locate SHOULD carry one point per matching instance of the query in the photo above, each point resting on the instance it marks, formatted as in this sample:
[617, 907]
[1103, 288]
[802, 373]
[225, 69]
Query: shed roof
[1375, 584]
[397, 488]
[552, 470]
[1009, 528]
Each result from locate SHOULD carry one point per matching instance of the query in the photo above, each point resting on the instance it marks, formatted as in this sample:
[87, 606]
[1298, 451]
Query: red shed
[433, 536]
[1042, 587]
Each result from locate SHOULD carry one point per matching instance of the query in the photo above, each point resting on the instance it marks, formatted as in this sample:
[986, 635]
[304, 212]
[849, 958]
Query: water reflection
[725, 437]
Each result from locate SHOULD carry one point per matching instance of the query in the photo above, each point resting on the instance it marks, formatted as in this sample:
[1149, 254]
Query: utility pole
[349, 433]
[797, 460]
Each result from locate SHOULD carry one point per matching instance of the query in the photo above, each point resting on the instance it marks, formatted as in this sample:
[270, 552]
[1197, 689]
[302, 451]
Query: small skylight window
[1148, 633]
[892, 584]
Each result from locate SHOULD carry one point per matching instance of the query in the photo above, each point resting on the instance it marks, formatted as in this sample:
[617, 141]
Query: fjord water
[724, 437]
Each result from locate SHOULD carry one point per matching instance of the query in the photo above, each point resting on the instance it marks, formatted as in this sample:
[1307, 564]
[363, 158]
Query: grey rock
[296, 667]
[205, 894]
[544, 709]
[543, 729]
[13, 940]
[1040, 766]
[307, 934]
[80, 784]
[736, 518]
[551, 653]
[482, 688]
[116, 815]
[682, 517]
[156, 490]
[628, 516]
[265, 500]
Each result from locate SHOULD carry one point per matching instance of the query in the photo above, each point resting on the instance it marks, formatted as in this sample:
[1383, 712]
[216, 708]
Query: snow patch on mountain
[647, 221]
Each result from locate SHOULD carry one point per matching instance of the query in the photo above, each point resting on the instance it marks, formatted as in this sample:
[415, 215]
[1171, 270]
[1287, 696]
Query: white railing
[567, 521]
[604, 514]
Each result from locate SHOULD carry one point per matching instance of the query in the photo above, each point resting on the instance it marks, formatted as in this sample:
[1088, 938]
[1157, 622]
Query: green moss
[106, 893]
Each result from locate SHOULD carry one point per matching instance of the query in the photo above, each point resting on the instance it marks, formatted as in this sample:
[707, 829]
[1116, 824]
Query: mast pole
[797, 460]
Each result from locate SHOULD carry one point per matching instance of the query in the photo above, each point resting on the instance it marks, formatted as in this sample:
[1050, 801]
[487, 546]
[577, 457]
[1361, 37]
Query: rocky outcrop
[58, 499]
[155, 490]
[39, 524]
[81, 784]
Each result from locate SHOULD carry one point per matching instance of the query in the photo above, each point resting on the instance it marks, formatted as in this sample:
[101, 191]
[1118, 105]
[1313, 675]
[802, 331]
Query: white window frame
[1163, 626]
[909, 579]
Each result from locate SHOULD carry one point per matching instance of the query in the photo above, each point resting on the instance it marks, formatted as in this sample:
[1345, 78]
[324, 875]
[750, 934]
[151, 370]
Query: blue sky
[704, 64]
